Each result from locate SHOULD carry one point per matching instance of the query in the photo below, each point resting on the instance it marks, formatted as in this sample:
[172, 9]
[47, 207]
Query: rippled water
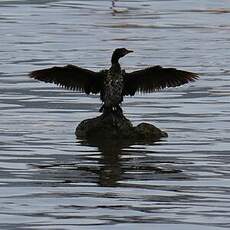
[50, 180]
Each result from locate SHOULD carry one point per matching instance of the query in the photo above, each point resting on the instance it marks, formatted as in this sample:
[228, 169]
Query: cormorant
[114, 83]
[118, 9]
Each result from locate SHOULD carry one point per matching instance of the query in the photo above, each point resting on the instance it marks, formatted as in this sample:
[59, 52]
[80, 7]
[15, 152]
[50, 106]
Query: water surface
[50, 180]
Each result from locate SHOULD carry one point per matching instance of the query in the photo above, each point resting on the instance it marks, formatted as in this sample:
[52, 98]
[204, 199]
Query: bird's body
[113, 84]
[112, 91]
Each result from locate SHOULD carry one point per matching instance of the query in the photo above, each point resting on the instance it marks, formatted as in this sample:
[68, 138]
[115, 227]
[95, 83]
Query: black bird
[114, 83]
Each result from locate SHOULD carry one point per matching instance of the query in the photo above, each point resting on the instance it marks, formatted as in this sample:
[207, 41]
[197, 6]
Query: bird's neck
[114, 59]
[115, 68]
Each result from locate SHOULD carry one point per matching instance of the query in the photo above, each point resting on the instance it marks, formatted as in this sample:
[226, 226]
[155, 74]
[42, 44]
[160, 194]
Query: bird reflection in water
[114, 163]
[120, 164]
[111, 169]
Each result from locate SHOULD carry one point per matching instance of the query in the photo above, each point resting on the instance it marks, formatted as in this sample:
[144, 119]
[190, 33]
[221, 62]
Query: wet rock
[117, 126]
[146, 131]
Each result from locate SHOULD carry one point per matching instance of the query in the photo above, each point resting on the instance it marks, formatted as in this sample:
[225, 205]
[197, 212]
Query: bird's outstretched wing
[72, 77]
[155, 78]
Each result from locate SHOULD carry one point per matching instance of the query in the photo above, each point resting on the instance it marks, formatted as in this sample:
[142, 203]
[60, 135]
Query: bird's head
[119, 53]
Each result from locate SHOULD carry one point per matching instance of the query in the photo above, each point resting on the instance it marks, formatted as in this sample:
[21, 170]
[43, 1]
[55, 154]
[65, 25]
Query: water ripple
[50, 180]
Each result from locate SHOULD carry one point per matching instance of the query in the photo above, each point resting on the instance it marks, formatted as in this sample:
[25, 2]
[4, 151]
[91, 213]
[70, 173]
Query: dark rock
[117, 126]
[146, 131]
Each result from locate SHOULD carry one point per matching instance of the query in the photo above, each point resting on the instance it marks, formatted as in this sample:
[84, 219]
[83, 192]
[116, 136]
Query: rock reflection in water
[115, 164]
[111, 170]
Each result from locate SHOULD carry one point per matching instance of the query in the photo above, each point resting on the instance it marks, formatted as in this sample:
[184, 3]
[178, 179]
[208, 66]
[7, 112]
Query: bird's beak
[129, 51]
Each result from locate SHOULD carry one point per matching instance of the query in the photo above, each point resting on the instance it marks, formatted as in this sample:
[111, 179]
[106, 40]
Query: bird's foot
[106, 110]
[101, 109]
[117, 110]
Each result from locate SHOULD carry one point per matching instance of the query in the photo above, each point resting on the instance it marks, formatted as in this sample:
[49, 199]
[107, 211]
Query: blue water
[51, 180]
